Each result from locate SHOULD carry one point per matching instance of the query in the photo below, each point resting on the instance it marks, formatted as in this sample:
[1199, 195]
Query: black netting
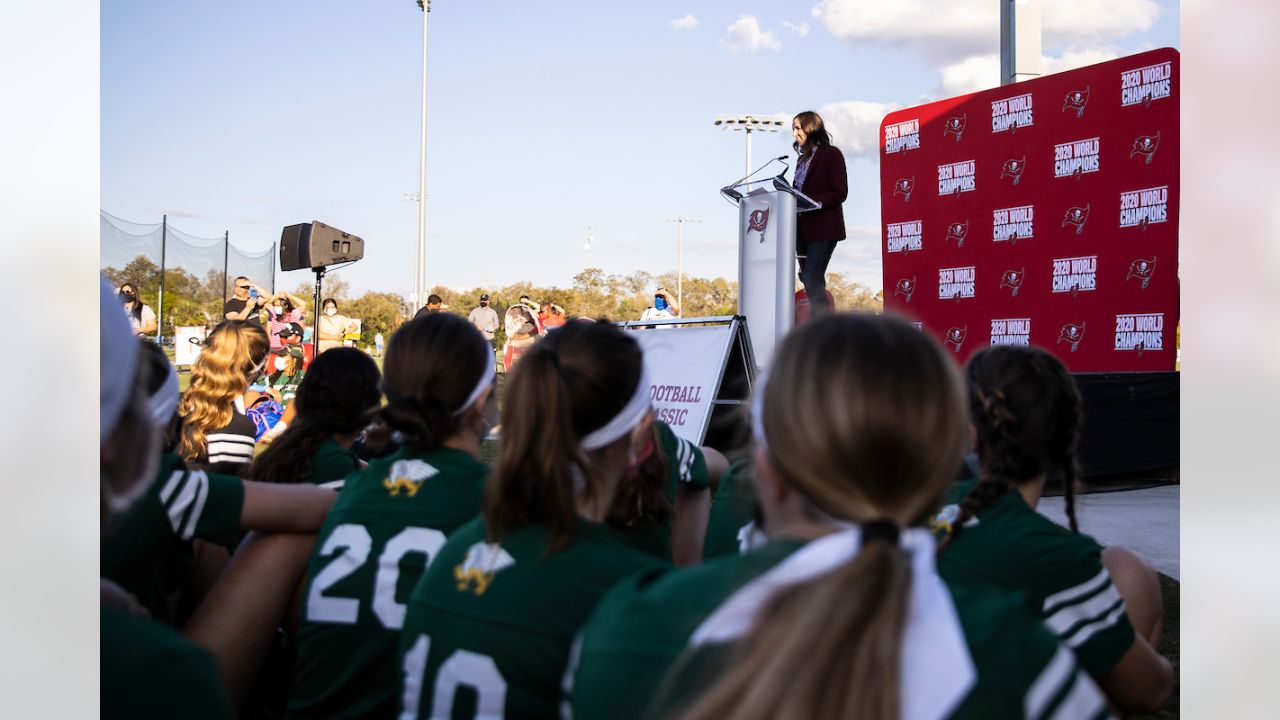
[197, 270]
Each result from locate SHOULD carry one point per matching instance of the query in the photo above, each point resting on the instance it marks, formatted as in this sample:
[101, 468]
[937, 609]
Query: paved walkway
[1145, 521]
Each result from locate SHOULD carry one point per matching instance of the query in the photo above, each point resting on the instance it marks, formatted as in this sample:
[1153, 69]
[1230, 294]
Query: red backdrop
[1044, 212]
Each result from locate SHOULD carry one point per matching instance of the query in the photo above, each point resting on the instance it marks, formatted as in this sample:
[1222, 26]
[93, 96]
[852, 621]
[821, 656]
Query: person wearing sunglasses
[246, 300]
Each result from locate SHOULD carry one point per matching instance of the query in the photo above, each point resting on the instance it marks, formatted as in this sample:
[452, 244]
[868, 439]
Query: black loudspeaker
[316, 245]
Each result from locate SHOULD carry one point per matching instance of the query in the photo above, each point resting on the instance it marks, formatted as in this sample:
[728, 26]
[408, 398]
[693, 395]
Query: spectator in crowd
[522, 331]
[142, 319]
[439, 382]
[333, 327]
[532, 307]
[216, 433]
[509, 590]
[551, 315]
[1026, 414]
[286, 374]
[484, 318]
[137, 651]
[246, 300]
[282, 309]
[664, 306]
[849, 461]
[377, 345]
[335, 401]
[435, 304]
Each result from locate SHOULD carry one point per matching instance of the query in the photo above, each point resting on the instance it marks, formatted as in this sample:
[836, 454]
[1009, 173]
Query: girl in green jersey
[1026, 415]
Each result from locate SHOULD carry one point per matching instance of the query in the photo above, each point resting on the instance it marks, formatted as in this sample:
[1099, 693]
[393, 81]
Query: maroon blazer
[827, 183]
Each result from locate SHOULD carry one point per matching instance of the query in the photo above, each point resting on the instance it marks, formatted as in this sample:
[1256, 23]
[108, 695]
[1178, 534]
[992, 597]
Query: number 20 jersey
[388, 523]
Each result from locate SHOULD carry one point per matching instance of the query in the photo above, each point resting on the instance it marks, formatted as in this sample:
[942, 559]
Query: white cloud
[955, 29]
[855, 126]
[688, 22]
[981, 72]
[746, 35]
[971, 75]
[799, 30]
[1074, 58]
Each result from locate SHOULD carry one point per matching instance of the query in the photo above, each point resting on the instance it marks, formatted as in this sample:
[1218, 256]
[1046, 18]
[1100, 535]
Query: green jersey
[330, 465]
[633, 659]
[687, 472]
[150, 671]
[389, 522]
[147, 550]
[732, 529]
[1012, 546]
[490, 627]
[287, 385]
[642, 627]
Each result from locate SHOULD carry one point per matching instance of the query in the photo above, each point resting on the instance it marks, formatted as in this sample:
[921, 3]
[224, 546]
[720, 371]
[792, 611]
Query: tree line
[188, 300]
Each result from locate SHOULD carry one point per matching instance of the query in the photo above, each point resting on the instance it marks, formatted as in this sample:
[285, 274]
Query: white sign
[186, 344]
[685, 366]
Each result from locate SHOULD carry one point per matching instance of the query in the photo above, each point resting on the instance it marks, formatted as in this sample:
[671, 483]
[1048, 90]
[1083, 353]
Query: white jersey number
[357, 544]
[463, 667]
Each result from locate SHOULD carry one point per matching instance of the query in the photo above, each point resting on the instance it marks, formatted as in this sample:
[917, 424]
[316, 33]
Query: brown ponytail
[432, 364]
[864, 418]
[570, 383]
[848, 622]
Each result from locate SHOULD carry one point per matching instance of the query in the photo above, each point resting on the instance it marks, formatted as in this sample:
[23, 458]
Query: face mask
[277, 309]
[331, 311]
[281, 363]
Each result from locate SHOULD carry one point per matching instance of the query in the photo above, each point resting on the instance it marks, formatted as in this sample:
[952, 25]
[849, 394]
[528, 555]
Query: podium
[767, 260]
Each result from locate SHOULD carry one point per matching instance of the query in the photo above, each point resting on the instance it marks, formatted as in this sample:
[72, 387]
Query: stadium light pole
[749, 124]
[680, 221]
[420, 274]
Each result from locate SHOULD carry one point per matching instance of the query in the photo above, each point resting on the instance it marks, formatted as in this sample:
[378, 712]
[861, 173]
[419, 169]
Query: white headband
[627, 418]
[165, 400]
[937, 670]
[486, 379]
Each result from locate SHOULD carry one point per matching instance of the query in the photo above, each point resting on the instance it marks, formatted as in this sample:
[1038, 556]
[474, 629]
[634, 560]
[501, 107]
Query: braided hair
[338, 396]
[1026, 414]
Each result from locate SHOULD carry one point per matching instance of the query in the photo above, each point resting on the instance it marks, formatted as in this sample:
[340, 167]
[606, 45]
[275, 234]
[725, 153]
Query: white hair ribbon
[937, 670]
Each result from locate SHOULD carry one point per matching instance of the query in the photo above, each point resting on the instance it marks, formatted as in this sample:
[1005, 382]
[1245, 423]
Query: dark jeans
[813, 257]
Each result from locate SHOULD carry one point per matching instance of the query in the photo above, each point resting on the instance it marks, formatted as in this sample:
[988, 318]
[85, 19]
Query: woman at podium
[820, 174]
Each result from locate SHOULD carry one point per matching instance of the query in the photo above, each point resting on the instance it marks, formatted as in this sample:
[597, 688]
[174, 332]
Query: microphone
[728, 190]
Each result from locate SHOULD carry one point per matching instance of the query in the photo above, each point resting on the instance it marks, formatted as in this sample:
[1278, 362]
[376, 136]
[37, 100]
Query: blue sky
[543, 119]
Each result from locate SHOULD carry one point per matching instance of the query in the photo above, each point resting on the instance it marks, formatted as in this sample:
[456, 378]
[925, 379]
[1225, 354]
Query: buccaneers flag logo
[1142, 269]
[956, 231]
[904, 186]
[1013, 169]
[759, 220]
[1071, 333]
[1012, 279]
[1077, 216]
[905, 286]
[1146, 147]
[955, 336]
[1076, 100]
[955, 126]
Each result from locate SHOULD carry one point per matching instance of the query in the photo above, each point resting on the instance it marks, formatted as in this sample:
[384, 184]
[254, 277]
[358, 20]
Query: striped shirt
[229, 448]
[1014, 547]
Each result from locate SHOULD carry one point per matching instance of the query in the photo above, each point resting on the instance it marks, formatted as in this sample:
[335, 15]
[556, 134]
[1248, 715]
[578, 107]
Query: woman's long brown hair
[570, 383]
[865, 419]
[218, 376]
